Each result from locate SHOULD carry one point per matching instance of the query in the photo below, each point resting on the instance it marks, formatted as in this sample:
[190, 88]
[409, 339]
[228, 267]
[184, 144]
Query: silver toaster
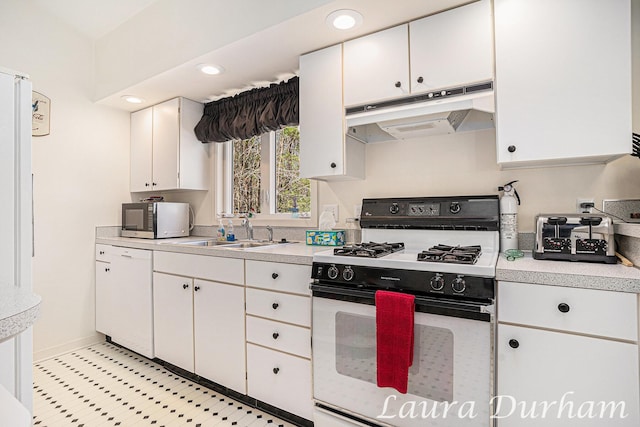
[575, 237]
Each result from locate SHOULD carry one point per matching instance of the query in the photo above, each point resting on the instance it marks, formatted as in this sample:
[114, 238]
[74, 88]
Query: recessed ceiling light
[344, 19]
[132, 99]
[211, 69]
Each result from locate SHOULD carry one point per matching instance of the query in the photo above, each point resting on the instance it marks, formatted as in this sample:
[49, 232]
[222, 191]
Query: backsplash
[622, 209]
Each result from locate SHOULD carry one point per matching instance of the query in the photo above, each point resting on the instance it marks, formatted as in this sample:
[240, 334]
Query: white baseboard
[48, 353]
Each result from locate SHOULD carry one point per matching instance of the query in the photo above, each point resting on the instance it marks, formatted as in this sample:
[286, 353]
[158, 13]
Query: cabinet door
[105, 310]
[564, 368]
[322, 133]
[173, 319]
[219, 333]
[452, 48]
[563, 81]
[376, 67]
[131, 282]
[141, 150]
[166, 143]
[280, 379]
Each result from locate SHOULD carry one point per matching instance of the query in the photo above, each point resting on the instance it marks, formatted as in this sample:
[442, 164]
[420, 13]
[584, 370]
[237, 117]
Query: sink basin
[251, 244]
[231, 245]
[208, 242]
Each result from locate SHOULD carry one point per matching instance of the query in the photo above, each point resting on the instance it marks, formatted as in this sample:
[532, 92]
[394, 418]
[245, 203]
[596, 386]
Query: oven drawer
[587, 311]
[278, 277]
[278, 306]
[279, 336]
[280, 379]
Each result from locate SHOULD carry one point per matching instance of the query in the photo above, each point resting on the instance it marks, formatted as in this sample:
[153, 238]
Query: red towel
[394, 338]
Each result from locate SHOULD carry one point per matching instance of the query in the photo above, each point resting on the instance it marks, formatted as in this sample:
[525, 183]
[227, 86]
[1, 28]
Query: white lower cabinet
[575, 363]
[279, 336]
[200, 324]
[124, 304]
[280, 379]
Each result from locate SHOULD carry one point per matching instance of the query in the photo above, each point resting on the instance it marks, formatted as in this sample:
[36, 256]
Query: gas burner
[369, 250]
[451, 254]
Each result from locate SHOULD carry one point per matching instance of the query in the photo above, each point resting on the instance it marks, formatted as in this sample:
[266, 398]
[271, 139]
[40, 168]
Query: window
[261, 175]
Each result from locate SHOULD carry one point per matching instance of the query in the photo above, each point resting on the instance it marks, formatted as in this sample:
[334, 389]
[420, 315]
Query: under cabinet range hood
[460, 109]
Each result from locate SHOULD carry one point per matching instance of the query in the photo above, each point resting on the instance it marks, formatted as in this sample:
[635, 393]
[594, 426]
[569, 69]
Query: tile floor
[105, 385]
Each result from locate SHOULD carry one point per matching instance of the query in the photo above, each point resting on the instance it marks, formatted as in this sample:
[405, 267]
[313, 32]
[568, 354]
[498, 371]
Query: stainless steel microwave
[155, 220]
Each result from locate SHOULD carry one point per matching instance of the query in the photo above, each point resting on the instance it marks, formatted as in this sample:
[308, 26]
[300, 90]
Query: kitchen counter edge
[19, 310]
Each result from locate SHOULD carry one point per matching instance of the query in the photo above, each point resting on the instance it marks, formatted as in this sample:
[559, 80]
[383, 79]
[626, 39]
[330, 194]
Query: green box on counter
[325, 238]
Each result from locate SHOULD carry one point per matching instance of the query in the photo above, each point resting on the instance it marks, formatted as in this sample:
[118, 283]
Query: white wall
[81, 170]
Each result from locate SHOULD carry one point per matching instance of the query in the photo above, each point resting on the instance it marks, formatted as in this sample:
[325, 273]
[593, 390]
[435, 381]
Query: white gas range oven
[441, 250]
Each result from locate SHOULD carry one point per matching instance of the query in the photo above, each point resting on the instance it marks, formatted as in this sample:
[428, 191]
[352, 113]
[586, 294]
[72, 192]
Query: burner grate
[369, 250]
[451, 254]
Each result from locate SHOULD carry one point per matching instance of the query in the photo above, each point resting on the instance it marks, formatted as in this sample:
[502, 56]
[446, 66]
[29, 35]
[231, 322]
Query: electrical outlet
[333, 209]
[581, 209]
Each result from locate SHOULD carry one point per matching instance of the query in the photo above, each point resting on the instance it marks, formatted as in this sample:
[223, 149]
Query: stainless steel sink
[231, 245]
[252, 244]
[207, 242]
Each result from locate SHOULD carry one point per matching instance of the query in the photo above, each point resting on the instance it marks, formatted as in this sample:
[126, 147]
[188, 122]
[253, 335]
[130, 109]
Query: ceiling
[264, 57]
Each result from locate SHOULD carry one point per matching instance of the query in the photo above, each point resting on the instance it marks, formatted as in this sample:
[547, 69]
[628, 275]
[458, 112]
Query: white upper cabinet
[448, 49]
[165, 153]
[452, 48]
[376, 66]
[325, 152]
[563, 81]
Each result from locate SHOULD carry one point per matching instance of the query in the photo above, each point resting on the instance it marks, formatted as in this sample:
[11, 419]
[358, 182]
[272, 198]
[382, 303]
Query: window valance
[250, 113]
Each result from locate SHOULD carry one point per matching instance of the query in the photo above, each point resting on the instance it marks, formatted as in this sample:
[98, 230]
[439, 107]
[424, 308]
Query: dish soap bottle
[221, 235]
[231, 235]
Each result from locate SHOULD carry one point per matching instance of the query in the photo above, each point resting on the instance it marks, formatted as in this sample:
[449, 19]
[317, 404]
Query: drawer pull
[197, 288]
[276, 370]
[275, 335]
[274, 276]
[275, 305]
[101, 252]
[564, 308]
[185, 286]
[514, 343]
[107, 269]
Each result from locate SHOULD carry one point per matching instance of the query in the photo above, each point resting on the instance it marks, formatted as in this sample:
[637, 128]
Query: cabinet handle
[275, 335]
[275, 305]
[101, 252]
[398, 84]
[185, 286]
[511, 148]
[146, 184]
[274, 276]
[563, 307]
[197, 288]
[153, 184]
[420, 79]
[107, 270]
[333, 165]
[276, 370]
[514, 343]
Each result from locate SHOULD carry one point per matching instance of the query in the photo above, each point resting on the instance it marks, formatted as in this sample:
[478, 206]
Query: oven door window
[430, 376]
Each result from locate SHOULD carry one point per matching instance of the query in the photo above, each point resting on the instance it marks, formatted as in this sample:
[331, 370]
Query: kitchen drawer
[279, 336]
[280, 380]
[594, 312]
[227, 270]
[104, 252]
[278, 306]
[279, 277]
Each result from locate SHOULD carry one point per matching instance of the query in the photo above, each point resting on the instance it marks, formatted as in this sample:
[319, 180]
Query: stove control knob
[332, 272]
[347, 274]
[437, 282]
[454, 207]
[394, 208]
[458, 285]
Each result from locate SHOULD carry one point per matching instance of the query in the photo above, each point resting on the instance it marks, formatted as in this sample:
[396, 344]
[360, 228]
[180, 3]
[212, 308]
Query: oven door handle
[443, 306]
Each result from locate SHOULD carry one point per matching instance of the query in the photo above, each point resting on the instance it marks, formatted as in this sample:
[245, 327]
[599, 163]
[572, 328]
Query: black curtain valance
[250, 113]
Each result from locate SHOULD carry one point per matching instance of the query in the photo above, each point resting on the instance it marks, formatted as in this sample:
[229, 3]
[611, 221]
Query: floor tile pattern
[105, 385]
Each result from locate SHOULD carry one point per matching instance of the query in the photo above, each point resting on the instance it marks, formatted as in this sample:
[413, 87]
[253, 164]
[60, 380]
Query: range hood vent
[460, 109]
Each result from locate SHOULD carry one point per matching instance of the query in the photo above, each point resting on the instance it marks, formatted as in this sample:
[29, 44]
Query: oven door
[450, 380]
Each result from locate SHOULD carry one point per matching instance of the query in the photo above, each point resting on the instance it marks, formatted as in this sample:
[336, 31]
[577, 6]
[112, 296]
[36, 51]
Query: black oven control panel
[408, 281]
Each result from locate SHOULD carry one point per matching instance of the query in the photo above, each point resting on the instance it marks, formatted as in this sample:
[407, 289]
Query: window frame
[268, 215]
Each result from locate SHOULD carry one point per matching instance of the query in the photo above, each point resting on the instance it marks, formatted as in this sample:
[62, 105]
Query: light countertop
[19, 309]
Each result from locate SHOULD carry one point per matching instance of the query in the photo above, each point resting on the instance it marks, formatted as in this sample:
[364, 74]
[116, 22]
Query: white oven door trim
[471, 373]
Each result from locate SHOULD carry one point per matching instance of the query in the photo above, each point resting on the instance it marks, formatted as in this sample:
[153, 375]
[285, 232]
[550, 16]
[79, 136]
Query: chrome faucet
[270, 231]
[248, 228]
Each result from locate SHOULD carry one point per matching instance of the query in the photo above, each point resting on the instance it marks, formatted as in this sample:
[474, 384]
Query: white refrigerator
[16, 224]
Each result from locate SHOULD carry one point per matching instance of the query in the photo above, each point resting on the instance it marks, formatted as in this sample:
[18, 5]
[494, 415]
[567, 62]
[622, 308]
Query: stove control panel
[409, 281]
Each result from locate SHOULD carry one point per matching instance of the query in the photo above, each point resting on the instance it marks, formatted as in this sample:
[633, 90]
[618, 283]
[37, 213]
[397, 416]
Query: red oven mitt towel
[394, 338]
